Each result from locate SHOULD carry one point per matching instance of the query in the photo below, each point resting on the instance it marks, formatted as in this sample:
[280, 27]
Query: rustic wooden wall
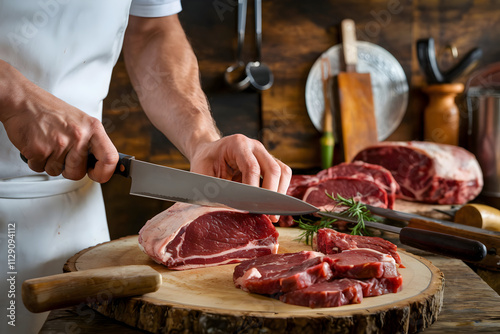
[295, 33]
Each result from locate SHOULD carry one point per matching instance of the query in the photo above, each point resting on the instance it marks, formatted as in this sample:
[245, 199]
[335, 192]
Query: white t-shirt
[69, 48]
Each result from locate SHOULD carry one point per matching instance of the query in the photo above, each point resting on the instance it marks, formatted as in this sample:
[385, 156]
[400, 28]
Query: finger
[250, 169]
[270, 169]
[106, 155]
[37, 158]
[55, 164]
[36, 165]
[285, 178]
[75, 164]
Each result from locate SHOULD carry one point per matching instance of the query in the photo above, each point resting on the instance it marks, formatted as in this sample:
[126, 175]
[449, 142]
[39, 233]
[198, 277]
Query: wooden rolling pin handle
[87, 286]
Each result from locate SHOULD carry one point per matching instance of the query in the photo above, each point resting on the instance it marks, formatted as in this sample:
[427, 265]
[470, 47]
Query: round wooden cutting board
[206, 300]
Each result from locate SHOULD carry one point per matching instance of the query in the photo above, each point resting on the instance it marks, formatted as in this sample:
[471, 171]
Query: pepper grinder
[441, 116]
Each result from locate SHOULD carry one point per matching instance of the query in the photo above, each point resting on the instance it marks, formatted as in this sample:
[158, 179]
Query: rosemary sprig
[356, 210]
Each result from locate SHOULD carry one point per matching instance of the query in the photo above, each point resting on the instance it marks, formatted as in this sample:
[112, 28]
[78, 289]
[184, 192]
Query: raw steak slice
[188, 236]
[381, 286]
[362, 263]
[364, 191]
[342, 291]
[299, 184]
[327, 294]
[428, 172]
[277, 273]
[364, 171]
[329, 241]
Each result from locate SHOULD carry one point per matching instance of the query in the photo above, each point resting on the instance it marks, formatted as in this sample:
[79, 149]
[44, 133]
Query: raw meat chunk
[364, 171]
[362, 263]
[367, 192]
[188, 236]
[428, 172]
[329, 241]
[327, 294]
[276, 273]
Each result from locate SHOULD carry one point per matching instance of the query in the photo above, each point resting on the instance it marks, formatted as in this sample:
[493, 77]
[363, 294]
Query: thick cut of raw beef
[428, 172]
[362, 263]
[188, 236]
[276, 273]
[329, 241]
[367, 183]
[313, 279]
[327, 294]
[364, 171]
[342, 291]
[364, 191]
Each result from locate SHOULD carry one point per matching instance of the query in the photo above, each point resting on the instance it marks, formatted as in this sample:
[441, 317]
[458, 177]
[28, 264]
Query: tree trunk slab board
[206, 300]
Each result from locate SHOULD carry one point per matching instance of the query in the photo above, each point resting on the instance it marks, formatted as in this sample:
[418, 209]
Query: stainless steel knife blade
[165, 183]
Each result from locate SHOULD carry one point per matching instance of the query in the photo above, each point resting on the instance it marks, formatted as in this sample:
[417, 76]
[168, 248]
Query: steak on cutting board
[329, 241]
[187, 236]
[313, 279]
[276, 273]
[428, 172]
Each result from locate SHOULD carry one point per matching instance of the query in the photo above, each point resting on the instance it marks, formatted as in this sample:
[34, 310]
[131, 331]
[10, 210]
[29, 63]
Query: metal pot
[483, 106]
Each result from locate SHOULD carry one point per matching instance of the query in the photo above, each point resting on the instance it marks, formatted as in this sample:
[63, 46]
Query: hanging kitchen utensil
[235, 75]
[426, 55]
[327, 141]
[388, 80]
[355, 96]
[260, 75]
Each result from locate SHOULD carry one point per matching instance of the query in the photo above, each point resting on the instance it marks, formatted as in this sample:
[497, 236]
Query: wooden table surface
[470, 306]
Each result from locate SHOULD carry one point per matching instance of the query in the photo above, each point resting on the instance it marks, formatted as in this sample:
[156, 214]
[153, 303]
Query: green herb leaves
[354, 209]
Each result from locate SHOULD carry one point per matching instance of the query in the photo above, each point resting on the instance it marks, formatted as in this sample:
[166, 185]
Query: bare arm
[164, 71]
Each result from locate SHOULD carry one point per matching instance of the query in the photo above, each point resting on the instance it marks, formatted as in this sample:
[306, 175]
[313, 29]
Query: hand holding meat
[54, 136]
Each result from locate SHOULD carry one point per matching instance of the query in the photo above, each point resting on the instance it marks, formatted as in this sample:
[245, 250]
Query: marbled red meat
[364, 191]
[428, 172]
[367, 183]
[276, 273]
[316, 280]
[327, 294]
[329, 241]
[342, 292]
[188, 236]
[362, 263]
[364, 171]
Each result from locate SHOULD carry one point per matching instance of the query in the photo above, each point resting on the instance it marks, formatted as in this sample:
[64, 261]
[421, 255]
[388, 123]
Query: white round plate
[389, 84]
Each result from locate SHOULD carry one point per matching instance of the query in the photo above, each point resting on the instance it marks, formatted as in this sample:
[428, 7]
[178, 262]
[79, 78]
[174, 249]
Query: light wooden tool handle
[349, 44]
[479, 215]
[87, 286]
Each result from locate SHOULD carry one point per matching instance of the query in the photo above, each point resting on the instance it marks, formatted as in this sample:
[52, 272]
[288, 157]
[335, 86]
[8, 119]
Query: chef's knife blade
[165, 183]
[438, 243]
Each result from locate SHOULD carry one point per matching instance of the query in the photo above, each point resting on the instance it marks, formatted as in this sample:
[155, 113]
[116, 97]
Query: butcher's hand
[54, 136]
[240, 158]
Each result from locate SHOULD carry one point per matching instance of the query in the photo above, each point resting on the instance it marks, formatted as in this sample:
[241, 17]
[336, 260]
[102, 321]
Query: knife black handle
[468, 250]
[122, 167]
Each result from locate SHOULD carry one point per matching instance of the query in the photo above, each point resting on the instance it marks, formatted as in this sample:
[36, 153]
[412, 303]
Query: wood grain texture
[357, 113]
[205, 299]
